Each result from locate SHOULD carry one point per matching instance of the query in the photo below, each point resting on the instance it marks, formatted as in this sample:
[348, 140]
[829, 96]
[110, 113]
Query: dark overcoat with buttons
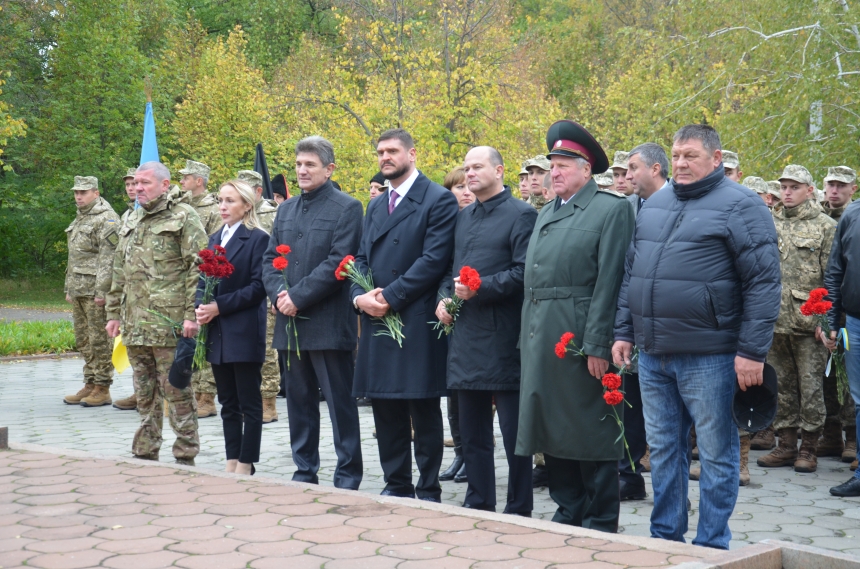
[574, 269]
[321, 227]
[408, 252]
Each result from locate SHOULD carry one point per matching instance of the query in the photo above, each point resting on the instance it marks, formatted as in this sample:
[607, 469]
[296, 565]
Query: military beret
[620, 160]
[84, 183]
[604, 180]
[130, 173]
[541, 162]
[756, 184]
[730, 159]
[198, 169]
[379, 178]
[279, 186]
[567, 138]
[796, 173]
[842, 174]
[250, 177]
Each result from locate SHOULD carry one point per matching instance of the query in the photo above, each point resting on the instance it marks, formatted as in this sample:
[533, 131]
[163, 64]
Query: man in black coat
[407, 242]
[491, 236]
[321, 225]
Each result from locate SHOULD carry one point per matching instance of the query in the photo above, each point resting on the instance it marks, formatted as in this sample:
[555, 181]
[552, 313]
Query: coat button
[396, 241]
[532, 335]
[304, 210]
[544, 233]
[300, 236]
[536, 265]
[393, 271]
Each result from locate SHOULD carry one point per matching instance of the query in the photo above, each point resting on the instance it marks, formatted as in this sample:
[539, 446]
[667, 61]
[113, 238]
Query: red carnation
[470, 278]
[567, 337]
[280, 263]
[219, 250]
[560, 350]
[817, 295]
[341, 272]
[611, 381]
[206, 255]
[283, 249]
[613, 397]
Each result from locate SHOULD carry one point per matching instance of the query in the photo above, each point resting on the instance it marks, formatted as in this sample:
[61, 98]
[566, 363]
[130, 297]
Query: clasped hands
[373, 303]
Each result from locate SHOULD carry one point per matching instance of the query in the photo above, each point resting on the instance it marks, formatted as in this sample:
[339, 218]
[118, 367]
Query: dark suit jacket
[238, 333]
[408, 253]
[321, 227]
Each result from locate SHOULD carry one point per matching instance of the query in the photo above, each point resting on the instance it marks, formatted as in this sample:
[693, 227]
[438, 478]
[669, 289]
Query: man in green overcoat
[574, 268]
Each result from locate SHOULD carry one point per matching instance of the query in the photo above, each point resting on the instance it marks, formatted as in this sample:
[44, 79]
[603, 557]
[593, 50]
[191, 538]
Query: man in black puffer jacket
[700, 297]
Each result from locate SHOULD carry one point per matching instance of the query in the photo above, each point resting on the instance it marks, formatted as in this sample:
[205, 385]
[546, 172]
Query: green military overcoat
[574, 268]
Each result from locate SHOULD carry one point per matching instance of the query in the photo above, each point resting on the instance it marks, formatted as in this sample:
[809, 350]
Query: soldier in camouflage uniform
[758, 185]
[618, 171]
[805, 235]
[195, 176]
[774, 191]
[732, 166]
[537, 168]
[92, 239]
[524, 182]
[271, 385]
[156, 271]
[605, 181]
[839, 186]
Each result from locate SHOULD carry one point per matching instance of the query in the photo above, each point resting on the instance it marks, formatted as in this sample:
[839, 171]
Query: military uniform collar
[89, 207]
[807, 210]
[159, 204]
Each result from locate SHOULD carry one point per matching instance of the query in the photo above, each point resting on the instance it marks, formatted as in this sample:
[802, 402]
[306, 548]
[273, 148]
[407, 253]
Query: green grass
[39, 293]
[29, 338]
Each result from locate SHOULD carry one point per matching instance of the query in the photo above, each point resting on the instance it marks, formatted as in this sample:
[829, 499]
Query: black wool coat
[321, 227]
[491, 237]
[238, 333]
[408, 252]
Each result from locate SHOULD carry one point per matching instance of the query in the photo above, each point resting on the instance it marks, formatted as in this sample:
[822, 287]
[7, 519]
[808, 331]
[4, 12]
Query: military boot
[99, 396]
[270, 410]
[783, 455]
[763, 440]
[127, 404]
[206, 406]
[745, 459]
[189, 461]
[850, 452]
[806, 459]
[76, 398]
[830, 443]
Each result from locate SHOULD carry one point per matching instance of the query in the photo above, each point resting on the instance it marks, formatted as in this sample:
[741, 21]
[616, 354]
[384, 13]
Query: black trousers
[330, 371]
[393, 434]
[478, 451]
[454, 421]
[586, 492]
[238, 386]
[634, 432]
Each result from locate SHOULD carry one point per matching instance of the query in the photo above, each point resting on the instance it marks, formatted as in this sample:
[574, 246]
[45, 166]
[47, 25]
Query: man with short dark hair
[407, 243]
[700, 298]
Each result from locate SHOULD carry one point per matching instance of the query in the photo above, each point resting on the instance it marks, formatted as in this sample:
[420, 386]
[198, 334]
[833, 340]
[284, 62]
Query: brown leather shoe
[806, 458]
[449, 442]
[783, 455]
[854, 465]
[127, 404]
[206, 406]
[849, 453]
[645, 461]
[745, 459]
[831, 443]
[99, 396]
[763, 440]
[270, 410]
[76, 398]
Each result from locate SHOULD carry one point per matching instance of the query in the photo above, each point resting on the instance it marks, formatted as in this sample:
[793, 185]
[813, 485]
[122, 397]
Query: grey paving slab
[779, 504]
[27, 315]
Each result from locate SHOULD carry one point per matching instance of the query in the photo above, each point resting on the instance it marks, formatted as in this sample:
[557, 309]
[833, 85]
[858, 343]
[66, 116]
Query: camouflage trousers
[836, 413]
[799, 362]
[151, 366]
[92, 340]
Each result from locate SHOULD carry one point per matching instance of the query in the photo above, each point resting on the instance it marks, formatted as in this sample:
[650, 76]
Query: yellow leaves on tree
[9, 127]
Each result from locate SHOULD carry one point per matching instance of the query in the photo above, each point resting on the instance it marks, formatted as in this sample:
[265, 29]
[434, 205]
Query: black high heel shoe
[253, 470]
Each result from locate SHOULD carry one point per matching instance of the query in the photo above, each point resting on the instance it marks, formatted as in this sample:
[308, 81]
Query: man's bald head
[493, 155]
[485, 172]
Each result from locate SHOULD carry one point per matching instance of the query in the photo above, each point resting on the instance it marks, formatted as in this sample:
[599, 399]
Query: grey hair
[651, 154]
[204, 178]
[249, 196]
[709, 137]
[160, 170]
[547, 181]
[319, 146]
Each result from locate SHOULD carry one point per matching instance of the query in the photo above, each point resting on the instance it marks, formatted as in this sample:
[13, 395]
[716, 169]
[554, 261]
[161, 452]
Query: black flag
[262, 169]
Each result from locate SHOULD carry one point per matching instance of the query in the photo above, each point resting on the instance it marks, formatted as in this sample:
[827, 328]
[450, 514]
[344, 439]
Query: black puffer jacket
[702, 272]
[842, 278]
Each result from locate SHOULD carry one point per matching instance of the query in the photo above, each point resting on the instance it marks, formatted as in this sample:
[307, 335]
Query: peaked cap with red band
[567, 138]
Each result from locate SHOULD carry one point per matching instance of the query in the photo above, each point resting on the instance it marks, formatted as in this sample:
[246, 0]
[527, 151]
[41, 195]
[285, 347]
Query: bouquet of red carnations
[468, 277]
[392, 322]
[214, 267]
[818, 308]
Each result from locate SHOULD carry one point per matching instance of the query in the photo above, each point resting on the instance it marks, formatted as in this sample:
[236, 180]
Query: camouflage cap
[797, 173]
[731, 160]
[524, 168]
[620, 160]
[604, 180]
[250, 177]
[198, 169]
[773, 188]
[541, 162]
[756, 184]
[130, 173]
[842, 174]
[84, 183]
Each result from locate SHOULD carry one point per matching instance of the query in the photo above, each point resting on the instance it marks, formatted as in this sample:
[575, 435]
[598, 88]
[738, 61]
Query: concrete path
[779, 504]
[27, 315]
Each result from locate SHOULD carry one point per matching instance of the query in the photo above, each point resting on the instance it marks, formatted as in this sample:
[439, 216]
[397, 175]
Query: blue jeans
[678, 391]
[852, 365]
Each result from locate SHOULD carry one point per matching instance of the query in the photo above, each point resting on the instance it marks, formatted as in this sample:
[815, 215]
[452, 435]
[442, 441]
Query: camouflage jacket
[206, 206]
[92, 239]
[155, 268]
[834, 212]
[805, 235]
[536, 202]
[266, 211]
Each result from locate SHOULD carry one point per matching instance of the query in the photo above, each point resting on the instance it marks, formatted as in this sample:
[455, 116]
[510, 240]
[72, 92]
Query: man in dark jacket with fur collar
[700, 297]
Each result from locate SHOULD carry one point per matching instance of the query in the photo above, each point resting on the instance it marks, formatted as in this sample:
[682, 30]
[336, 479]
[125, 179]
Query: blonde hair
[249, 196]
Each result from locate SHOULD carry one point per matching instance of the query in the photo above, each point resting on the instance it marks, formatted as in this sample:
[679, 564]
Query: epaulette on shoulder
[611, 193]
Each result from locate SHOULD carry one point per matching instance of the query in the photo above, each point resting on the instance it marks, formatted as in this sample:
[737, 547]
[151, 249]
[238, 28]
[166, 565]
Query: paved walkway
[780, 504]
[28, 315]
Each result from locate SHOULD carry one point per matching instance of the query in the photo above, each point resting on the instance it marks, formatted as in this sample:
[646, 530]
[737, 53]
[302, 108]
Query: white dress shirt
[228, 232]
[404, 187]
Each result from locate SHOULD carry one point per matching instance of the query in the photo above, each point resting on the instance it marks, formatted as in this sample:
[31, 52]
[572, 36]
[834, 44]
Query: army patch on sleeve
[112, 238]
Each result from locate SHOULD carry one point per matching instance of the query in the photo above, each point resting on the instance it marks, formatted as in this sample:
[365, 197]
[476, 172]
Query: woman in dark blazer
[236, 342]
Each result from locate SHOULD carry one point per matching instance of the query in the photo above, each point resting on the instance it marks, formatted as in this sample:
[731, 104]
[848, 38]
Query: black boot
[452, 470]
[461, 475]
